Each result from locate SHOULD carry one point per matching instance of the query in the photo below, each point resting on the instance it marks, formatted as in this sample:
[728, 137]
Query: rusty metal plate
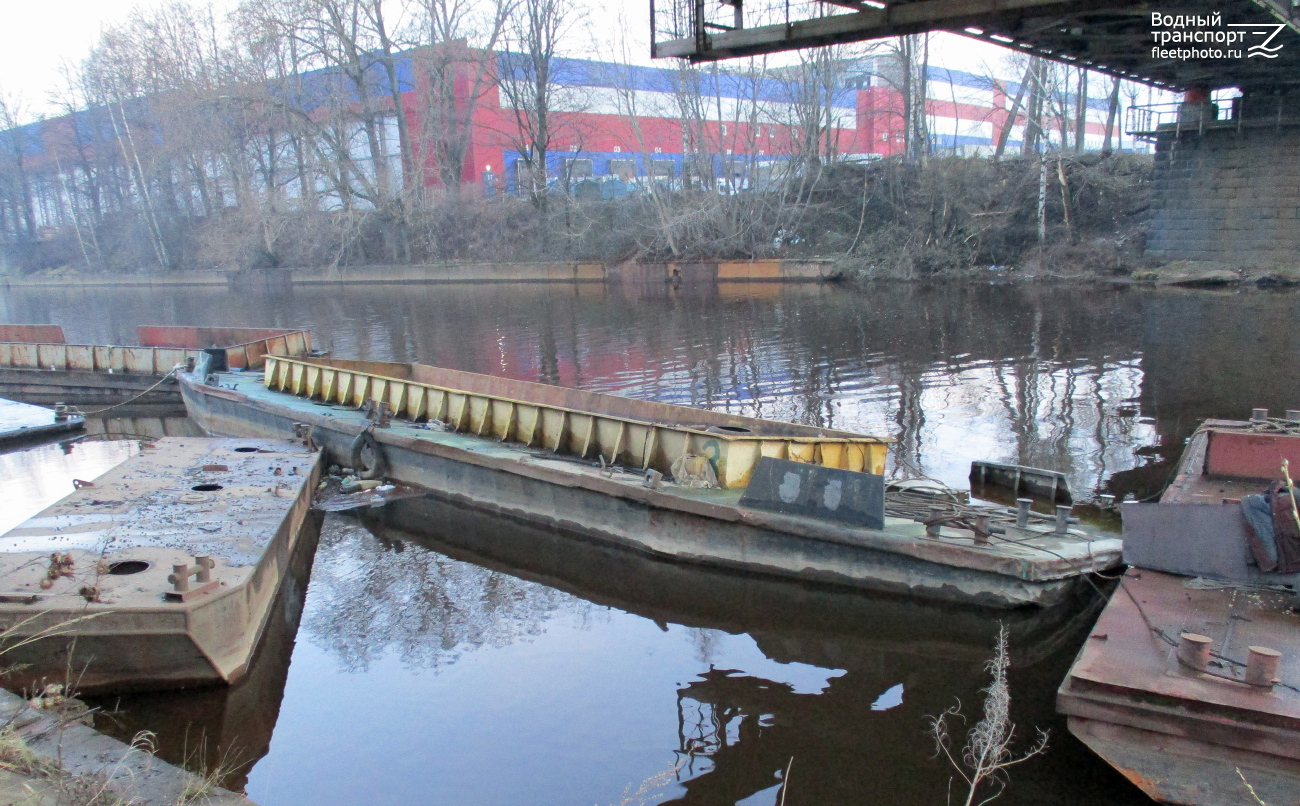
[1174, 769]
[1124, 656]
[1250, 455]
[1206, 540]
[48, 334]
[812, 491]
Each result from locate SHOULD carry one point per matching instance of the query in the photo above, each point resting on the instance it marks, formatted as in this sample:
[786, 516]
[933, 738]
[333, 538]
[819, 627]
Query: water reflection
[498, 688]
[458, 659]
[372, 598]
[36, 477]
[1073, 378]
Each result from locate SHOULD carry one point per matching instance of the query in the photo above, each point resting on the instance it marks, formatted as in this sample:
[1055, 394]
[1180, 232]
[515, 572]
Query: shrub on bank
[888, 218]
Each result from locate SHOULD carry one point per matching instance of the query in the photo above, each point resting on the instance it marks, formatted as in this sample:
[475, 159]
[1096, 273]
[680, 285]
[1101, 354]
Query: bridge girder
[1110, 36]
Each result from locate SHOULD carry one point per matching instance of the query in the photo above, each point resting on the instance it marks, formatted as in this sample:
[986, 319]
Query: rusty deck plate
[1127, 693]
[100, 564]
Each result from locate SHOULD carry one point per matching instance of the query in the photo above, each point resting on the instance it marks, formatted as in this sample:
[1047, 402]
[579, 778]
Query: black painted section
[812, 491]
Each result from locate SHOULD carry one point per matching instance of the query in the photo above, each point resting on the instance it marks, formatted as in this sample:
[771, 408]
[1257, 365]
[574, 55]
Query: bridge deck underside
[1112, 36]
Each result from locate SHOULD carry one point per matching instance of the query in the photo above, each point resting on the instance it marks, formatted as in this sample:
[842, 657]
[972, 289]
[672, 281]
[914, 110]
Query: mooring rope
[160, 382]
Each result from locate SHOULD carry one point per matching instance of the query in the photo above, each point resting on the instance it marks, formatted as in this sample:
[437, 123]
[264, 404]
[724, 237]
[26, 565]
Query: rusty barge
[22, 423]
[671, 482]
[1189, 684]
[159, 574]
[37, 365]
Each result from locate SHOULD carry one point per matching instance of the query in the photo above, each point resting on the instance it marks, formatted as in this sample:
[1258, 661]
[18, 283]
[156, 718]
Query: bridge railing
[1146, 122]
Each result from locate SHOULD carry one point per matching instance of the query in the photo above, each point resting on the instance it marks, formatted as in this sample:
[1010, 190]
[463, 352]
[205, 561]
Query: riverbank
[809, 270]
[1185, 274]
[49, 757]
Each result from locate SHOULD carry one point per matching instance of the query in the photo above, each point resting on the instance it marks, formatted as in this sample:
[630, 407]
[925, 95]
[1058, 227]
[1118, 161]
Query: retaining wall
[564, 272]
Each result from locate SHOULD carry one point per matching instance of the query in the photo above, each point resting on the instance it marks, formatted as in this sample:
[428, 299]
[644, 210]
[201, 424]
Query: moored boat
[1189, 684]
[37, 365]
[21, 423]
[160, 573]
[670, 481]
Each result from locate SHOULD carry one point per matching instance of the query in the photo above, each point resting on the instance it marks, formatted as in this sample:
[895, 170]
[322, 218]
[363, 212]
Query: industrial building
[614, 128]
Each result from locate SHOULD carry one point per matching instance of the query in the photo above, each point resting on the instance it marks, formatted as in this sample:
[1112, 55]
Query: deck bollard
[1107, 501]
[981, 530]
[1261, 666]
[1063, 519]
[1293, 414]
[1194, 650]
[652, 478]
[201, 571]
[1259, 415]
[932, 529]
[1022, 511]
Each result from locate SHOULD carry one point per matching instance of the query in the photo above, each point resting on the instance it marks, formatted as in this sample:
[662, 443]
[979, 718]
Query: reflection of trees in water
[370, 596]
[1048, 371]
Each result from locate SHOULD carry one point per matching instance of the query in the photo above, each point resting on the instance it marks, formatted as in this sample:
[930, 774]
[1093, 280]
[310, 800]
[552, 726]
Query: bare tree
[1112, 108]
[907, 70]
[463, 37]
[14, 180]
[1013, 114]
[529, 83]
[1081, 112]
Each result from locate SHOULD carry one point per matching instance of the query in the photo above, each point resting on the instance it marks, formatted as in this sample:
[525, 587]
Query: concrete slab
[83, 755]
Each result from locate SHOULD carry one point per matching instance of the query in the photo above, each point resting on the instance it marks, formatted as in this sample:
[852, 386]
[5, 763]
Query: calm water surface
[437, 656]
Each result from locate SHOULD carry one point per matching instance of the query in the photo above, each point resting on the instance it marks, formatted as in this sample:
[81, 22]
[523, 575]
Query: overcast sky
[40, 35]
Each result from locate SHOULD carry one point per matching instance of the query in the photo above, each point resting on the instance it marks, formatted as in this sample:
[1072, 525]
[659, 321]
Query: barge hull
[708, 529]
[22, 424]
[86, 388]
[132, 637]
[1183, 770]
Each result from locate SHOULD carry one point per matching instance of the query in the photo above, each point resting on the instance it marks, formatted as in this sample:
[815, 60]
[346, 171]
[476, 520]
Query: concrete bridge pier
[1226, 183]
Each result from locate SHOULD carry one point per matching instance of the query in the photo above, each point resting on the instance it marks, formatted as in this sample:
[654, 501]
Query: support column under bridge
[1226, 184]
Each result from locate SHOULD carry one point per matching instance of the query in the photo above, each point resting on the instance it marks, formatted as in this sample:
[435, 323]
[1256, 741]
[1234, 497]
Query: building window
[623, 169]
[578, 169]
[660, 168]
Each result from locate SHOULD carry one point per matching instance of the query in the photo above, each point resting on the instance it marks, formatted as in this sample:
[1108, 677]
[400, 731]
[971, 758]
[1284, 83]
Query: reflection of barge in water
[1190, 682]
[510, 446]
[738, 729]
[88, 578]
[38, 366]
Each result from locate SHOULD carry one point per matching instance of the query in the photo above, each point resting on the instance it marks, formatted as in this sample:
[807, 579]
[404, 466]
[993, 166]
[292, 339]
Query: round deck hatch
[245, 450]
[123, 568]
[206, 488]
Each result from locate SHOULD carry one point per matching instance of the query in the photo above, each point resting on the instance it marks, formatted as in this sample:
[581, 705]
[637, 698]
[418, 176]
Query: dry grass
[987, 754]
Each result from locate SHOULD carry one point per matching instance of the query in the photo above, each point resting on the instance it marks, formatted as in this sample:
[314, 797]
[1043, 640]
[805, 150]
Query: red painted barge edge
[1184, 736]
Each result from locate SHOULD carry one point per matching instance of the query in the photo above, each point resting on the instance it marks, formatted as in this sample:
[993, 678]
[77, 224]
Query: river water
[438, 656]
